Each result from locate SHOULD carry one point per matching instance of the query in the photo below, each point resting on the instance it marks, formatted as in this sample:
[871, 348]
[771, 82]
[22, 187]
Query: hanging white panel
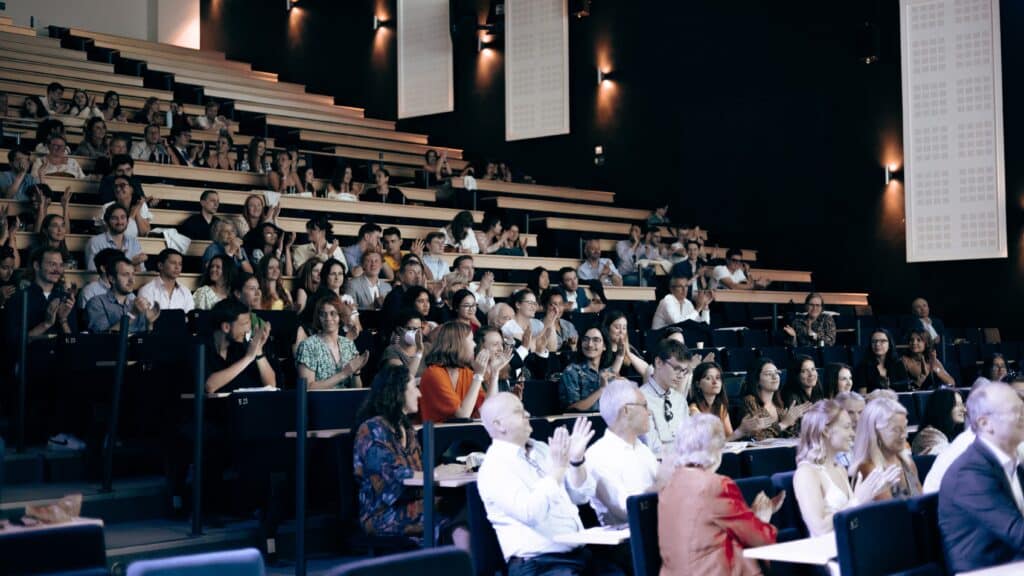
[953, 130]
[425, 76]
[536, 68]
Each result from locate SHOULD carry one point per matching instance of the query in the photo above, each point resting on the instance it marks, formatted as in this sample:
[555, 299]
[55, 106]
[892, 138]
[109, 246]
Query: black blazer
[978, 517]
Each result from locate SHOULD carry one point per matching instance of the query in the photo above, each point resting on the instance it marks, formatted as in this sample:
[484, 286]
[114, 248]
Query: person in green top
[327, 359]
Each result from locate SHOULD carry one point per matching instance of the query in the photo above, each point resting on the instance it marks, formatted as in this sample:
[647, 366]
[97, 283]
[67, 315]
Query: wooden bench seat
[168, 66]
[330, 127]
[88, 85]
[11, 44]
[69, 74]
[608, 245]
[18, 90]
[556, 192]
[31, 55]
[268, 91]
[129, 41]
[411, 160]
[177, 65]
[378, 144]
[559, 223]
[336, 118]
[786, 297]
[19, 30]
[535, 206]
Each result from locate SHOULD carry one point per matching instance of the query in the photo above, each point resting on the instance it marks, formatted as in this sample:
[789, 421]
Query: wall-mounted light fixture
[605, 76]
[892, 172]
[379, 23]
[289, 4]
[598, 155]
[489, 41]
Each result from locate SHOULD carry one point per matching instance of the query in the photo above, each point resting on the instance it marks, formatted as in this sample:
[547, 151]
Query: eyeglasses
[880, 341]
[467, 306]
[771, 374]
[680, 369]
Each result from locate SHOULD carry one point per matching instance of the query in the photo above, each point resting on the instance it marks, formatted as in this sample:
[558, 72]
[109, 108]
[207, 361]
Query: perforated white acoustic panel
[536, 68]
[953, 130]
[425, 77]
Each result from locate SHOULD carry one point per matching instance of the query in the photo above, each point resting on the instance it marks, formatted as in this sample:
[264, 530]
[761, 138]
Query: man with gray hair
[981, 499]
[620, 463]
[531, 489]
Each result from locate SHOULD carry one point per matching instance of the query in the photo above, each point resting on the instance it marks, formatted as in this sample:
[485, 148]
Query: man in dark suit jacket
[920, 319]
[981, 500]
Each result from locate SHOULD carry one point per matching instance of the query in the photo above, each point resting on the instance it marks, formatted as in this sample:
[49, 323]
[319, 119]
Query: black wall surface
[752, 118]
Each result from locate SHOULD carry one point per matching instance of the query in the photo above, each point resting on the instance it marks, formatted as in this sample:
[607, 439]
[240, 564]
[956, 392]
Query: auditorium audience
[183, 152]
[881, 444]
[576, 299]
[369, 290]
[464, 306]
[50, 305]
[255, 157]
[565, 333]
[980, 500]
[410, 274]
[525, 304]
[734, 273]
[594, 267]
[482, 290]
[879, 368]
[369, 239]
[583, 381]
[93, 143]
[271, 276]
[269, 240]
[139, 215]
[120, 165]
[115, 217]
[709, 396]
[106, 310]
[642, 243]
[46, 129]
[54, 100]
[453, 383]
[343, 186]
[111, 107]
[436, 166]
[284, 178]
[321, 246]
[327, 358]
[920, 319]
[459, 235]
[690, 262]
[993, 370]
[149, 113]
[538, 280]
[231, 361]
[820, 484]
[666, 391]
[922, 364]
[838, 379]
[100, 284]
[84, 106]
[676, 308]
[53, 233]
[616, 324]
[762, 400]
[406, 345]
[226, 240]
[622, 465]
[165, 290]
[382, 191]
[16, 182]
[815, 328]
[254, 213]
[704, 522]
[153, 147]
[531, 490]
[211, 119]
[434, 265]
[514, 243]
[801, 385]
[943, 420]
[57, 162]
[215, 283]
[222, 157]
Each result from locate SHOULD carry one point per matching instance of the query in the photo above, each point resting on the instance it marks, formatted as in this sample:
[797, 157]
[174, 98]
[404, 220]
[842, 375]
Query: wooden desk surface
[558, 192]
[552, 207]
[126, 40]
[15, 43]
[334, 128]
[414, 160]
[239, 79]
[195, 174]
[375, 143]
[599, 227]
[785, 297]
[818, 550]
[88, 85]
[336, 117]
[268, 90]
[58, 69]
[32, 55]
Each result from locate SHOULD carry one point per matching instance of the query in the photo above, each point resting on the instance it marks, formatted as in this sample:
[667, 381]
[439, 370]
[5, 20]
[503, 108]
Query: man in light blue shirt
[16, 182]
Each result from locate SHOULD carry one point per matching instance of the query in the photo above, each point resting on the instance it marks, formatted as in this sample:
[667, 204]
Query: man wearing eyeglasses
[733, 274]
[665, 391]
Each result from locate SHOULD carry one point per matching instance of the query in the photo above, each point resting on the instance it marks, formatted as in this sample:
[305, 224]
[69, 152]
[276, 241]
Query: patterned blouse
[752, 407]
[380, 464]
[823, 327]
[313, 353]
[205, 298]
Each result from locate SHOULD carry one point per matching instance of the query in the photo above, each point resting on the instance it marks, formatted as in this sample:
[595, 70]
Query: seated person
[50, 306]
[382, 191]
[675, 307]
[139, 215]
[54, 100]
[482, 290]
[880, 444]
[343, 186]
[734, 274]
[93, 143]
[566, 336]
[620, 463]
[211, 119]
[531, 490]
[920, 319]
[284, 178]
[33, 108]
[643, 243]
[115, 217]
[84, 106]
[165, 290]
[575, 296]
[814, 328]
[434, 264]
[183, 153]
[223, 156]
[369, 239]
[943, 420]
[594, 267]
[16, 182]
[821, 484]
[801, 387]
[666, 390]
[153, 147]
[459, 236]
[120, 165]
[198, 226]
[271, 276]
[57, 162]
[106, 310]
[391, 245]
[231, 362]
[762, 400]
[583, 381]
[980, 502]
[406, 343]
[709, 396]
[703, 521]
[879, 369]
[215, 283]
[111, 107]
[453, 383]
[921, 361]
[99, 285]
[321, 246]
[327, 358]
[227, 241]
[993, 369]
[149, 113]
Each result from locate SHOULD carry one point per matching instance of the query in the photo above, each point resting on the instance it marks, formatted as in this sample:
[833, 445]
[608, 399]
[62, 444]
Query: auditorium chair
[540, 398]
[738, 359]
[81, 550]
[924, 512]
[445, 561]
[730, 466]
[924, 465]
[750, 487]
[725, 338]
[642, 511]
[779, 356]
[484, 547]
[879, 538]
[910, 403]
[768, 461]
[244, 562]
[755, 338]
[788, 519]
[835, 355]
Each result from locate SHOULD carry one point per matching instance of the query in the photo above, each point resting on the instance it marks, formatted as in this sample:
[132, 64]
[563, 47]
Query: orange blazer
[439, 400]
[704, 524]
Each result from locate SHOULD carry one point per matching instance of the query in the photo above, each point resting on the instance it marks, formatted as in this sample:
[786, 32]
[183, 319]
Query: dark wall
[752, 119]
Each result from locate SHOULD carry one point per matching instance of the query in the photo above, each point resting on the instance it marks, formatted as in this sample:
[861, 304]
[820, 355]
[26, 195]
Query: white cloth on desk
[526, 507]
[173, 239]
[620, 470]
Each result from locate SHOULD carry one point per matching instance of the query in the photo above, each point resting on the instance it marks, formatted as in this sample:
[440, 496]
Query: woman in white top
[215, 283]
[459, 234]
[84, 106]
[57, 162]
[344, 187]
[139, 215]
[821, 485]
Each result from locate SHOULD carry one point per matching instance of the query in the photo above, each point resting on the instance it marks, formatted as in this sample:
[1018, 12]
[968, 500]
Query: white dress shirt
[1009, 465]
[527, 507]
[672, 311]
[180, 299]
[945, 459]
[588, 271]
[621, 470]
[663, 432]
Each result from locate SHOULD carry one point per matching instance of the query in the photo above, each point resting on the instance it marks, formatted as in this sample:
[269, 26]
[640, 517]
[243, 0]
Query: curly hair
[387, 398]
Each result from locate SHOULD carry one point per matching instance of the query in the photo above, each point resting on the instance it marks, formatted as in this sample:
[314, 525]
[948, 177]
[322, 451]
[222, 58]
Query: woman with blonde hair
[882, 444]
[820, 484]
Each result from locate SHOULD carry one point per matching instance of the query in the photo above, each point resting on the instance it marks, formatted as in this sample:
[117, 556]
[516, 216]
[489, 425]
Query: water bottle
[170, 118]
[243, 166]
